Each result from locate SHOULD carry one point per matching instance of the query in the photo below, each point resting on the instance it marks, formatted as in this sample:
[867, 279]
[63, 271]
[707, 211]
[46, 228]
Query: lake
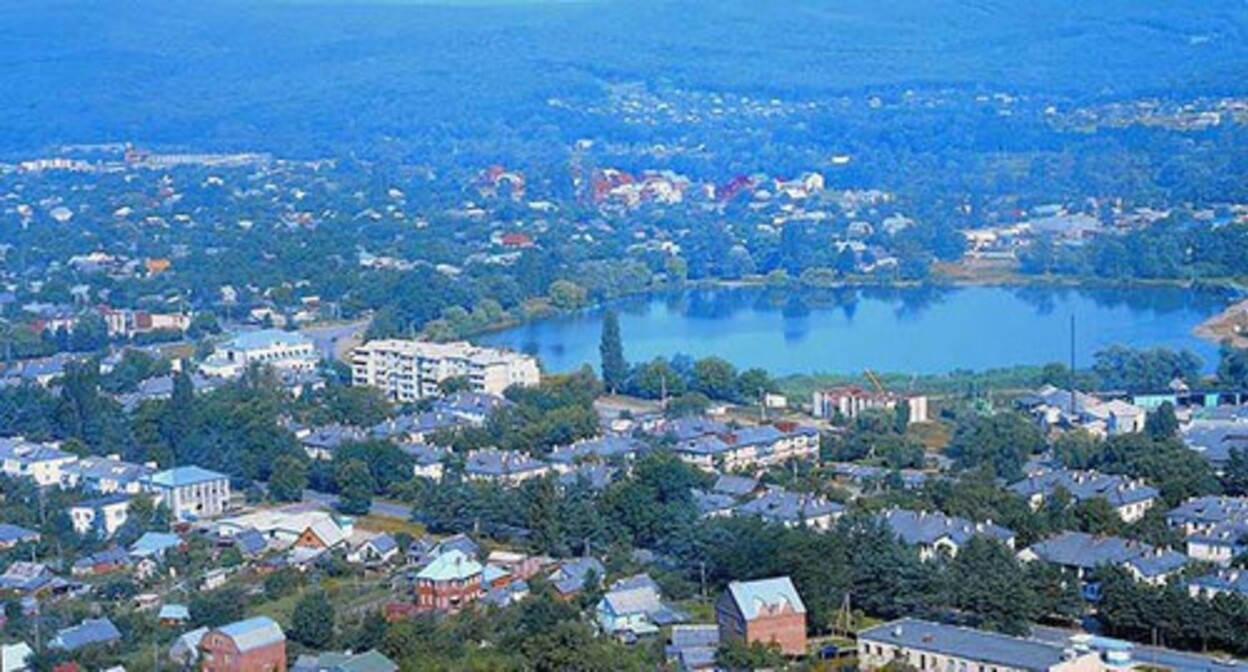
[919, 330]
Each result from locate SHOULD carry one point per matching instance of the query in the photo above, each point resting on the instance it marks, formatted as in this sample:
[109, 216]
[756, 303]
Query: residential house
[793, 509]
[1216, 527]
[185, 649]
[473, 407]
[253, 645]
[14, 535]
[427, 461]
[1052, 407]
[322, 442]
[102, 562]
[606, 449]
[1129, 498]
[173, 615]
[713, 504]
[92, 632]
[634, 608]
[594, 476]
[506, 468]
[735, 486]
[1213, 438]
[295, 525]
[154, 545]
[452, 581]
[766, 611]
[376, 550]
[106, 514]
[750, 447]
[574, 575]
[191, 493]
[693, 648]
[1219, 582]
[15, 657]
[105, 475]
[1081, 554]
[40, 462]
[369, 661]
[27, 578]
[924, 645]
[935, 534]
[418, 428]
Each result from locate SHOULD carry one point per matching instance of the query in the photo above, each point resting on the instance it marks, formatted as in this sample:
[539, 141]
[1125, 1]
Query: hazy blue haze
[918, 330]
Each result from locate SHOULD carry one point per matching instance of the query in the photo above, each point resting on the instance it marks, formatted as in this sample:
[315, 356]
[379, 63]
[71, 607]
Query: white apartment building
[408, 371]
[284, 350]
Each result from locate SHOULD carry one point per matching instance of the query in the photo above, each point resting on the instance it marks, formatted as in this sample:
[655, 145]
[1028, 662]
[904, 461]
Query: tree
[312, 623]
[1000, 442]
[567, 295]
[611, 350]
[987, 581]
[1162, 422]
[716, 378]
[355, 487]
[1233, 367]
[289, 478]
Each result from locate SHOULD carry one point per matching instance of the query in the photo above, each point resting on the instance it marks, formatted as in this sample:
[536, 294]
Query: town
[278, 504]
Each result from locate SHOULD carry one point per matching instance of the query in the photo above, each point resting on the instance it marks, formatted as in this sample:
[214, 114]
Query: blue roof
[449, 566]
[1084, 485]
[1085, 551]
[10, 533]
[154, 543]
[183, 476]
[89, 632]
[253, 633]
[967, 643]
[924, 528]
[266, 338]
[751, 596]
[174, 612]
[781, 506]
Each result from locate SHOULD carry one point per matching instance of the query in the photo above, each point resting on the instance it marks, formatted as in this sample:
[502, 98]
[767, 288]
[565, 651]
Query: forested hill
[320, 77]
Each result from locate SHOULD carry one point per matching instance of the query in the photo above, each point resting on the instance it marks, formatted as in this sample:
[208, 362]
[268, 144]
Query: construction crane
[875, 380]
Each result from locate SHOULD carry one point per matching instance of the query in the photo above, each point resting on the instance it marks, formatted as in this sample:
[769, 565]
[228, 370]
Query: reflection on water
[927, 329]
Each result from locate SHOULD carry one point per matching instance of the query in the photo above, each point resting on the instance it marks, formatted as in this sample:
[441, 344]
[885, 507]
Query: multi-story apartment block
[412, 370]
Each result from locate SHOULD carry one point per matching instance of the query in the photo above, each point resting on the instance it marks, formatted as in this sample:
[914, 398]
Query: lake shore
[1228, 325]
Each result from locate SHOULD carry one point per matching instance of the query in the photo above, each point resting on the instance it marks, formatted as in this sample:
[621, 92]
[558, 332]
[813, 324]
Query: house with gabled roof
[793, 509]
[934, 533]
[89, 633]
[506, 468]
[1130, 498]
[573, 575]
[106, 514]
[252, 645]
[764, 611]
[13, 535]
[105, 475]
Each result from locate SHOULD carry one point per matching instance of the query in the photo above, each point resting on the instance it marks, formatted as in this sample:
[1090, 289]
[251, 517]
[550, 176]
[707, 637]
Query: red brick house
[767, 611]
[448, 583]
[254, 645]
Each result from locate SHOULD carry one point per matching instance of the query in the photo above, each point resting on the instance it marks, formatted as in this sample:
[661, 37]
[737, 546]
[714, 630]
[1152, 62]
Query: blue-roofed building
[928, 645]
[12, 535]
[474, 407]
[154, 545]
[692, 648]
[416, 428]
[765, 611]
[174, 614]
[934, 533]
[1213, 438]
[604, 449]
[105, 475]
[27, 578]
[450, 582]
[635, 609]
[750, 447]
[375, 550]
[102, 562]
[427, 460]
[42, 463]
[191, 493]
[1220, 582]
[793, 509]
[283, 350]
[1130, 498]
[254, 644]
[735, 486]
[89, 633]
[321, 443]
[570, 577]
[1081, 554]
[503, 467]
[593, 476]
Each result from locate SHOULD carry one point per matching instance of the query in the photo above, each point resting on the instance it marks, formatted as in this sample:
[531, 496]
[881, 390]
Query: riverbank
[1229, 325]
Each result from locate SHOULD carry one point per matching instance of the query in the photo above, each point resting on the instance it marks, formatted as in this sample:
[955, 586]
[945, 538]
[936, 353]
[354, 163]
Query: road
[380, 507]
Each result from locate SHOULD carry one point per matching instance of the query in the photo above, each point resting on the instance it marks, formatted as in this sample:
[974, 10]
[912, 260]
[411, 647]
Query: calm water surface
[912, 330]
